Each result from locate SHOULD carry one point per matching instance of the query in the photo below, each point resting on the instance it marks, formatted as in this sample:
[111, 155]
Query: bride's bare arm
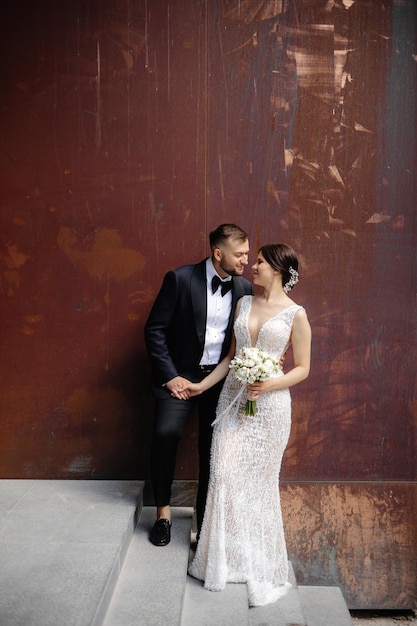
[219, 372]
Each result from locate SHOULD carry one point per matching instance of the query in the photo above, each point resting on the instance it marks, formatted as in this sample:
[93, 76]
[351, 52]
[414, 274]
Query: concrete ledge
[62, 544]
[323, 606]
[151, 586]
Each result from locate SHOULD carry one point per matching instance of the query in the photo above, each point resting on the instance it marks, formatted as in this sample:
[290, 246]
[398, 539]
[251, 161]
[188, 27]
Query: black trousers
[171, 416]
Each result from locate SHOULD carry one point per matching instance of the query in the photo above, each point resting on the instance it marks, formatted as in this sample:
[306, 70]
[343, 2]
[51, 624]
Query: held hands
[193, 389]
[178, 387]
[183, 389]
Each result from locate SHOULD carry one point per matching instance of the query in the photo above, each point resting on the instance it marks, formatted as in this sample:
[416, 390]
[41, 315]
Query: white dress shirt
[218, 313]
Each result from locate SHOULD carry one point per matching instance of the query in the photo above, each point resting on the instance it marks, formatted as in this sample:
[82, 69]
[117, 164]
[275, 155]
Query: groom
[188, 332]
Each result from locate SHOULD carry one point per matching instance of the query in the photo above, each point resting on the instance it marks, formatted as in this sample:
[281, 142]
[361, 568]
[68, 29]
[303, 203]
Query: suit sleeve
[156, 329]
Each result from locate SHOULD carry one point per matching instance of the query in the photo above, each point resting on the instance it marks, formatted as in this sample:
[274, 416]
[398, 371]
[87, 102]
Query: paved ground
[384, 618]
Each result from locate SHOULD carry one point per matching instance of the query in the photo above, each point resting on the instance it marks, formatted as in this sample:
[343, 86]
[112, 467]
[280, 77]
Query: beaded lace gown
[242, 536]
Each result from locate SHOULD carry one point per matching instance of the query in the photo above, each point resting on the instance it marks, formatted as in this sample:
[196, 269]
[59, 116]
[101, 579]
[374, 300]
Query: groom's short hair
[224, 232]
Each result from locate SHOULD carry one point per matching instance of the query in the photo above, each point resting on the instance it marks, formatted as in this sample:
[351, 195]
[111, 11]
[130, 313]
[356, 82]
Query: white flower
[251, 365]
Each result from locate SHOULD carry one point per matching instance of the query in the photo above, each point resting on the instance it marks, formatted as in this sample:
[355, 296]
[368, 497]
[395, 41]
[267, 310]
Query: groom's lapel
[237, 292]
[238, 289]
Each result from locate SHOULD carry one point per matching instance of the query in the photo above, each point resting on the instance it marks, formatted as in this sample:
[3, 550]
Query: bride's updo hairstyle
[283, 259]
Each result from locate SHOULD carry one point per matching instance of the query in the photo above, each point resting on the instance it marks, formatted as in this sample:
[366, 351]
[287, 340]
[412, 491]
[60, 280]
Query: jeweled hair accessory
[293, 279]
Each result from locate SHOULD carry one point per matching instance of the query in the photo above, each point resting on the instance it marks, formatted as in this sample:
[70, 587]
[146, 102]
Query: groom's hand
[178, 387]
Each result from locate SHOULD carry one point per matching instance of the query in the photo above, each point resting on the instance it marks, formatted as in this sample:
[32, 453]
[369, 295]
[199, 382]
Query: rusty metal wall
[128, 131]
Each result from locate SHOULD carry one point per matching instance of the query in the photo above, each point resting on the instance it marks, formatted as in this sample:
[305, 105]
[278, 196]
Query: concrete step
[150, 589]
[324, 606]
[287, 610]
[206, 608]
[154, 589]
[72, 555]
[230, 607]
[301, 606]
[62, 545]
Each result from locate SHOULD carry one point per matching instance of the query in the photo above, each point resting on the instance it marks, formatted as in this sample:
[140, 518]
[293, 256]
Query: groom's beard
[232, 271]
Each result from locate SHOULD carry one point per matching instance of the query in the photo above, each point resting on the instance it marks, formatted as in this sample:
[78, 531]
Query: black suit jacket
[176, 326]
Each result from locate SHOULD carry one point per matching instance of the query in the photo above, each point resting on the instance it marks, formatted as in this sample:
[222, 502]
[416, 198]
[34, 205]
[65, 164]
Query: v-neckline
[254, 345]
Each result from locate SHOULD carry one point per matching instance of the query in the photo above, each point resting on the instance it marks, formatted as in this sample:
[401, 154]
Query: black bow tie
[226, 285]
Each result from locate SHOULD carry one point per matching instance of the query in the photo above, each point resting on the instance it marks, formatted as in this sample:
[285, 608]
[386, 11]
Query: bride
[242, 537]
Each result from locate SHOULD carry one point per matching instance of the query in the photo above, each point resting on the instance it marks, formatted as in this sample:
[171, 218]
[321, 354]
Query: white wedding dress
[242, 537]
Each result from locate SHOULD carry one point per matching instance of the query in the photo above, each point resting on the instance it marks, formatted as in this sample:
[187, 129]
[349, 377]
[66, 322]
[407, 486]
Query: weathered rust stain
[31, 323]
[143, 295]
[34, 319]
[91, 415]
[11, 282]
[27, 330]
[14, 259]
[359, 536]
[103, 257]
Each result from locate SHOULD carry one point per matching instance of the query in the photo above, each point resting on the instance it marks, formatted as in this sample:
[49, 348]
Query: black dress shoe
[161, 532]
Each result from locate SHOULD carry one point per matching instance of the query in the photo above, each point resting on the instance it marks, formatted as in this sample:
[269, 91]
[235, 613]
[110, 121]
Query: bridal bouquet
[252, 365]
